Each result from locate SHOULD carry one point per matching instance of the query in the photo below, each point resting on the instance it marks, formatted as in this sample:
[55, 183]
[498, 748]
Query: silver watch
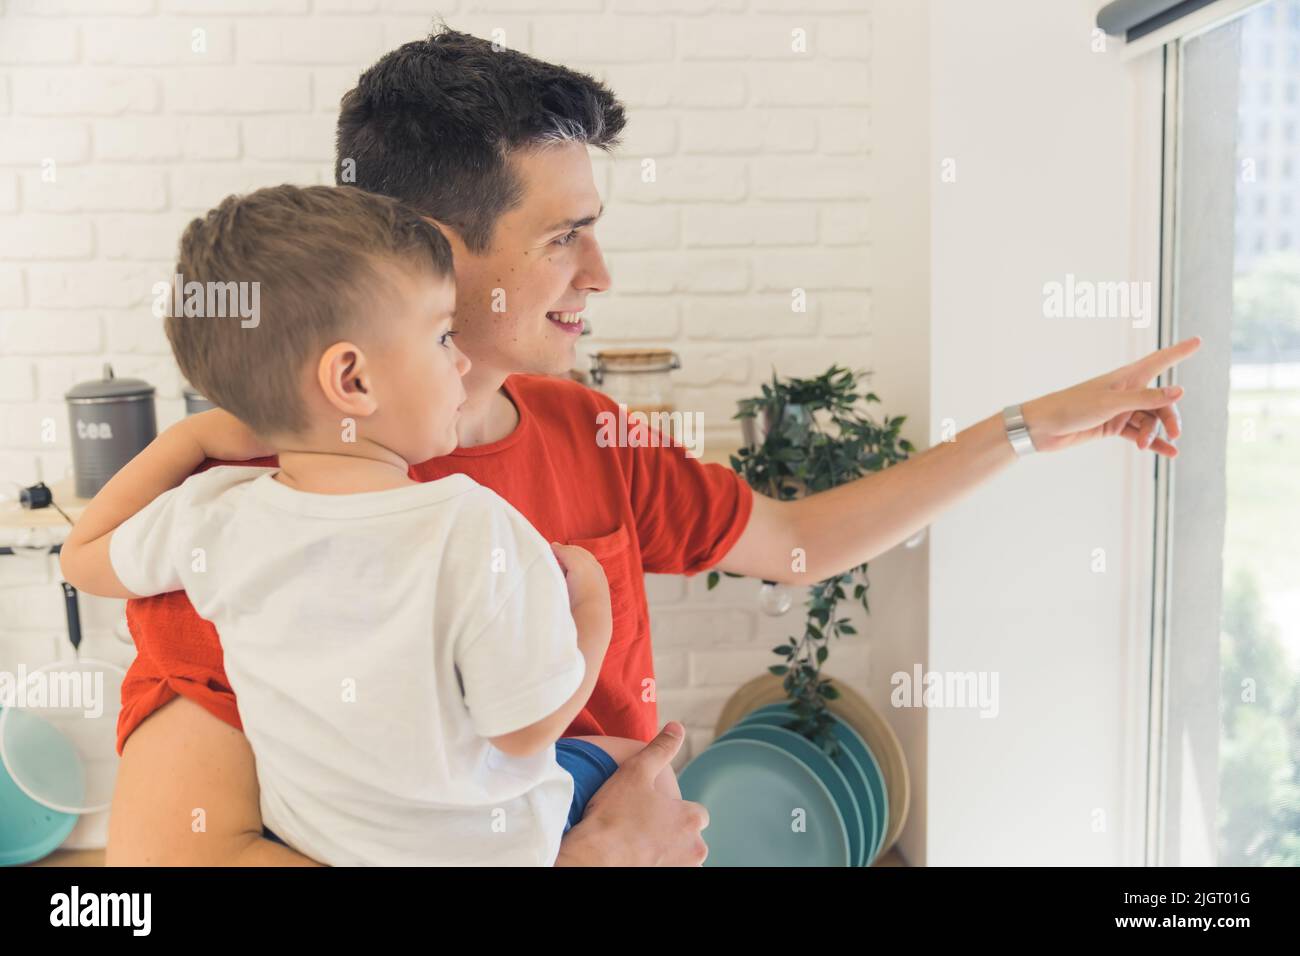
[1018, 434]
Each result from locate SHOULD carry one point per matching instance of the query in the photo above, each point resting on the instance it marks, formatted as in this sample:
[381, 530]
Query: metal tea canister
[112, 420]
[195, 402]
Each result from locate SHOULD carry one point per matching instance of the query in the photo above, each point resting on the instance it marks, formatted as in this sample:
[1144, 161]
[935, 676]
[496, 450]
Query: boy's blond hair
[313, 252]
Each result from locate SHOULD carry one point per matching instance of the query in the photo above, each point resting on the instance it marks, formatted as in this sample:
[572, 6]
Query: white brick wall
[762, 185]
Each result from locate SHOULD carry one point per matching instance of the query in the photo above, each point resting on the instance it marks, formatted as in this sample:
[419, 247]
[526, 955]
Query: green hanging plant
[817, 436]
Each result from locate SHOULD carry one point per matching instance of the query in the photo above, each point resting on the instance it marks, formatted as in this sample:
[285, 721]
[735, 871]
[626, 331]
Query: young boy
[405, 654]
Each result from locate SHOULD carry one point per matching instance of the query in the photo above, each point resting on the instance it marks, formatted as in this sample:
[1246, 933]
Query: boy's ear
[344, 377]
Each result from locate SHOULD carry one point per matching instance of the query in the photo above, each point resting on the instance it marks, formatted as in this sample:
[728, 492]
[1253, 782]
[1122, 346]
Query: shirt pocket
[622, 565]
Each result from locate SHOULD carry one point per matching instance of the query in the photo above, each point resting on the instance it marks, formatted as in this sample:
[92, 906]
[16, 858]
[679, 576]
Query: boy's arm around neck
[164, 464]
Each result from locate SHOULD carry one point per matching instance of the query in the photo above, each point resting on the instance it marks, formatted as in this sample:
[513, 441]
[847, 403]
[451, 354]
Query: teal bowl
[829, 774]
[749, 788]
[29, 831]
[873, 822]
[852, 742]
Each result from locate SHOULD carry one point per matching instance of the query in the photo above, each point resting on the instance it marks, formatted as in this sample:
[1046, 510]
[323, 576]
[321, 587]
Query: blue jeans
[587, 764]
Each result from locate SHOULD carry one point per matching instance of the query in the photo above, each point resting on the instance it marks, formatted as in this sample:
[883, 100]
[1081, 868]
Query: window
[1226, 709]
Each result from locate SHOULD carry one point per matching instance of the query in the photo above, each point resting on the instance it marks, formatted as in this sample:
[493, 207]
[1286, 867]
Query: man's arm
[165, 463]
[187, 796]
[851, 525]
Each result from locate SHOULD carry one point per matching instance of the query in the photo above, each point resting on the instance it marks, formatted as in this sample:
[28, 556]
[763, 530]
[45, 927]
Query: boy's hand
[224, 437]
[583, 574]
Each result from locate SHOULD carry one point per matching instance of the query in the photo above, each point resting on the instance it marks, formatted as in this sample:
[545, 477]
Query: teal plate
[28, 830]
[749, 788]
[815, 758]
[852, 741]
[873, 823]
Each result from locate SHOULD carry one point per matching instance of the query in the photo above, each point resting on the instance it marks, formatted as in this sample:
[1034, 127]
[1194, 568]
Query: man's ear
[450, 233]
[441, 226]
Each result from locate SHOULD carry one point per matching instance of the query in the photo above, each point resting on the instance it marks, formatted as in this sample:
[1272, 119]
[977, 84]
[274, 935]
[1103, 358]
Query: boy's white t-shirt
[349, 624]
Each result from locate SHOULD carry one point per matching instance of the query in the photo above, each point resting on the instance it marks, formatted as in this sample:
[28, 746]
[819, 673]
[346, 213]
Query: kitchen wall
[775, 170]
[763, 184]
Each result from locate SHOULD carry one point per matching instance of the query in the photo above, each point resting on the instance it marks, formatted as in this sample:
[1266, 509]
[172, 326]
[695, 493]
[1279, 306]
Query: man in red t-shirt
[492, 146]
[520, 221]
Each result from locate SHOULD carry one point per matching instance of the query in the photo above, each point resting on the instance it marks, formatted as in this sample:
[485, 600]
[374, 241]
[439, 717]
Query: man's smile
[569, 322]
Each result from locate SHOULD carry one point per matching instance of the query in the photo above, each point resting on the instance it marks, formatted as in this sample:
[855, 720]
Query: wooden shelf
[65, 496]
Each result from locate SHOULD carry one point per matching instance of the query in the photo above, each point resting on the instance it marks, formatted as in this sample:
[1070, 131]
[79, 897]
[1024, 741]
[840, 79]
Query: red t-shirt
[637, 509]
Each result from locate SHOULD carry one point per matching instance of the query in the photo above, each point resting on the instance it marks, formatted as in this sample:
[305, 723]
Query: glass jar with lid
[641, 379]
[638, 378]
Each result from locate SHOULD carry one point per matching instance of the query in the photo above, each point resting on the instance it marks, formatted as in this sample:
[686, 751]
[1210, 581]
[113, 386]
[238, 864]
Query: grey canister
[112, 421]
[194, 402]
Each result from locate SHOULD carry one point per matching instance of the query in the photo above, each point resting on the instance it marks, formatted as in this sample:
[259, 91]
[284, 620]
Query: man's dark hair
[434, 121]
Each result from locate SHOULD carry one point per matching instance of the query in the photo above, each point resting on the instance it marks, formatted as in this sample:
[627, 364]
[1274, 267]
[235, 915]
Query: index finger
[1162, 359]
